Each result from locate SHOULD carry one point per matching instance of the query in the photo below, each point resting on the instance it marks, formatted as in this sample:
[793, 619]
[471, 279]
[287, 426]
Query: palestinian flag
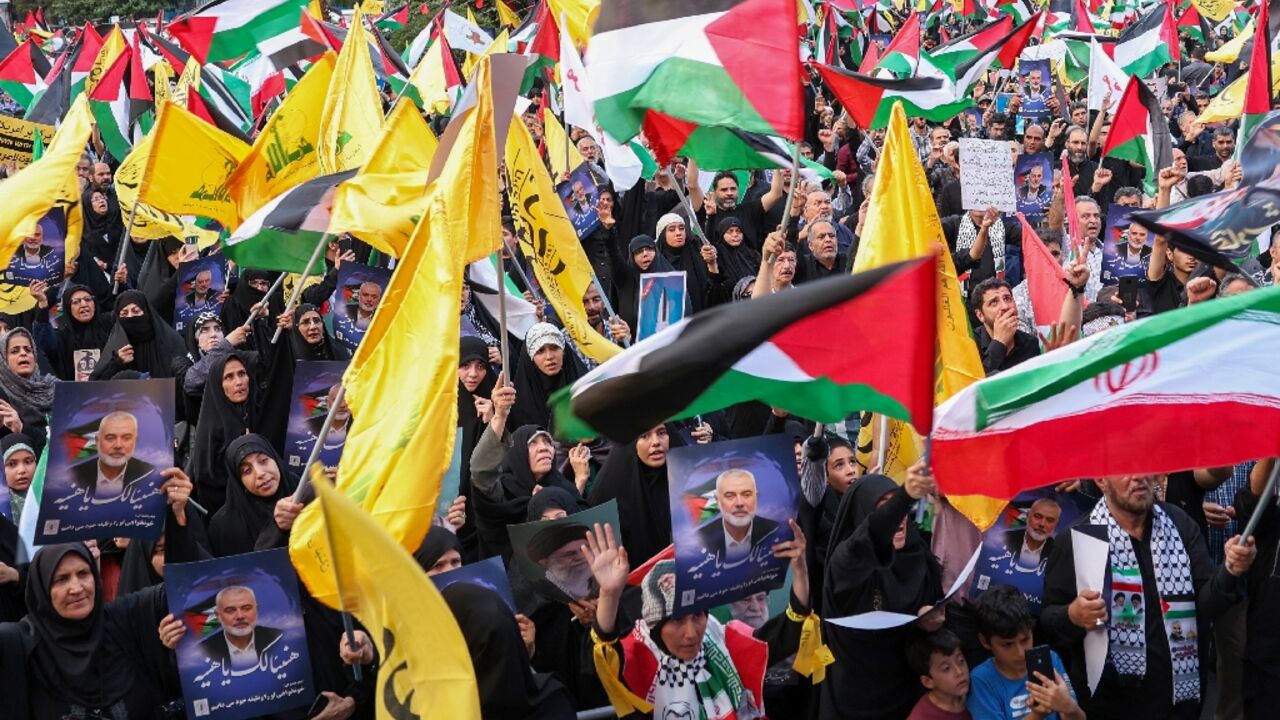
[1093, 408]
[7, 42]
[730, 63]
[222, 98]
[1194, 25]
[386, 62]
[1140, 133]
[543, 48]
[715, 148]
[228, 29]
[435, 84]
[1223, 229]
[788, 350]
[903, 53]
[962, 49]
[283, 233]
[23, 73]
[83, 57]
[393, 20]
[117, 100]
[54, 100]
[1151, 41]
[1257, 94]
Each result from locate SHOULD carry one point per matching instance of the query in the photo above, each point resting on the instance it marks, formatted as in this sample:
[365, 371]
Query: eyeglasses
[309, 321]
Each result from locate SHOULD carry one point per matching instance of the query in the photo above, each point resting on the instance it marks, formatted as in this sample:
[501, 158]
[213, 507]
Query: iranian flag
[1140, 133]
[712, 62]
[789, 350]
[1151, 41]
[1257, 94]
[22, 73]
[227, 29]
[1097, 407]
[282, 234]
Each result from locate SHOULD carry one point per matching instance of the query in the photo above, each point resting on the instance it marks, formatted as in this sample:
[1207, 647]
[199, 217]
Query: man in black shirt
[1000, 342]
[1167, 275]
[1262, 642]
[723, 203]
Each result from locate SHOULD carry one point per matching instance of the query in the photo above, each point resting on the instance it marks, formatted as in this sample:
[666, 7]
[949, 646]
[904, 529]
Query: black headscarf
[644, 502]
[101, 234]
[221, 421]
[74, 335]
[158, 278]
[508, 687]
[688, 258]
[326, 349]
[628, 283]
[548, 498]
[236, 526]
[235, 311]
[735, 262]
[472, 427]
[534, 389]
[155, 344]
[517, 482]
[136, 571]
[73, 658]
[437, 542]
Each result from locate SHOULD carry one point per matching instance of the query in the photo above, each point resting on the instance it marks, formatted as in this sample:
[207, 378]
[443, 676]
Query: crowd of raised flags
[268, 127]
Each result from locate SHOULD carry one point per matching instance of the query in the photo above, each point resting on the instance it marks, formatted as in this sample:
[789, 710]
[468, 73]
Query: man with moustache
[738, 531]
[115, 470]
[1030, 547]
[558, 549]
[240, 645]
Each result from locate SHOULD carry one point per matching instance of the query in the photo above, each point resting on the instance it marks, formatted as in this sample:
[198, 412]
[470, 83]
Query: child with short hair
[1000, 688]
[937, 659]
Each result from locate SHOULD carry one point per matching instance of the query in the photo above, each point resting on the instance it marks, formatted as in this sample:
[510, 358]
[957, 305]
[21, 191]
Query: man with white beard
[739, 531]
[558, 549]
[1030, 547]
[240, 645]
[752, 609]
[115, 472]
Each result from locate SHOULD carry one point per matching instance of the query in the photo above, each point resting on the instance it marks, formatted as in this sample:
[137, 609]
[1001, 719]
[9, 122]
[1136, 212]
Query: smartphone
[1039, 661]
[1128, 293]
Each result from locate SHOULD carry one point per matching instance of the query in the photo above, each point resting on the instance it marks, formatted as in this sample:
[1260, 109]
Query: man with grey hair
[114, 473]
[238, 649]
[733, 537]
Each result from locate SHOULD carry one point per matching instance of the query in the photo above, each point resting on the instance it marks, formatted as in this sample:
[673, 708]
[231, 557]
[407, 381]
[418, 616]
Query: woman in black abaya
[684, 253]
[475, 408]
[636, 476]
[543, 368]
[82, 331]
[252, 491]
[152, 345]
[305, 339]
[735, 258]
[227, 412]
[876, 561]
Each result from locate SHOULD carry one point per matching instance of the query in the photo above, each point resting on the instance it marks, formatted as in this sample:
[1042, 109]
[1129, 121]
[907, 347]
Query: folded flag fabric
[1093, 408]
[227, 29]
[282, 234]
[789, 350]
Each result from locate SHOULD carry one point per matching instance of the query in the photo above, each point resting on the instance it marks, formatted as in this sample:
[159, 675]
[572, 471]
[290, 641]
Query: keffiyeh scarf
[1127, 649]
[968, 234]
[706, 687]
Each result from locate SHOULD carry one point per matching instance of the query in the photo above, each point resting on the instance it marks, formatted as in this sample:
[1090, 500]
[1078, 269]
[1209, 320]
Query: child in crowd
[937, 659]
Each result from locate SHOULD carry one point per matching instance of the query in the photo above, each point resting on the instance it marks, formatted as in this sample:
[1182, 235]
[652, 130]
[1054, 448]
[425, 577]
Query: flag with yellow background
[188, 167]
[150, 223]
[352, 107]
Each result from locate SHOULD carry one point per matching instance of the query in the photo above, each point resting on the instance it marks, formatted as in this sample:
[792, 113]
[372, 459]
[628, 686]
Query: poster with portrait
[730, 503]
[579, 194]
[360, 290]
[108, 443]
[1126, 246]
[315, 384]
[1033, 178]
[1035, 86]
[972, 119]
[244, 653]
[548, 553]
[1016, 549]
[42, 255]
[488, 573]
[662, 297]
[202, 284]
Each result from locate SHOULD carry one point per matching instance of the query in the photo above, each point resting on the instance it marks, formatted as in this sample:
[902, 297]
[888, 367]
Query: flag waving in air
[1140, 133]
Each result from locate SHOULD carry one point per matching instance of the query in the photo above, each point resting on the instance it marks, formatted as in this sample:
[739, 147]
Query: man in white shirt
[739, 529]
[240, 646]
[115, 472]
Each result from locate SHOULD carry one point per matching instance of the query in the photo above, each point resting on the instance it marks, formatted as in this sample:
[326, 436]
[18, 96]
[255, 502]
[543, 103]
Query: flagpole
[791, 193]
[922, 505]
[684, 200]
[314, 456]
[1267, 494]
[297, 291]
[124, 245]
[253, 314]
[882, 449]
[502, 316]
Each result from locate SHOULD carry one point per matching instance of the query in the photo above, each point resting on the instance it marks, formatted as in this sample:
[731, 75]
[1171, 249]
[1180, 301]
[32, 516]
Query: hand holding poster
[730, 504]
[360, 289]
[579, 194]
[1034, 177]
[202, 287]
[42, 255]
[315, 385]
[109, 443]
[548, 553]
[662, 300]
[986, 175]
[244, 652]
[1036, 88]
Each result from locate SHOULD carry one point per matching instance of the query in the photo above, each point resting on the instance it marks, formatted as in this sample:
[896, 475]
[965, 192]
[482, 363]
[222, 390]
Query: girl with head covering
[636, 476]
[83, 330]
[475, 384]
[142, 566]
[19, 469]
[631, 258]
[158, 276]
[140, 340]
[206, 343]
[310, 339]
[439, 552]
[255, 483]
[227, 412]
[736, 259]
[304, 338]
[26, 394]
[103, 229]
[673, 664]
[250, 289]
[877, 561]
[509, 688]
[543, 368]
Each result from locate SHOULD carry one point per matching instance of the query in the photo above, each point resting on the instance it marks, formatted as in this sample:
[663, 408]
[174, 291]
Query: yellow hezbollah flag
[425, 669]
[506, 15]
[548, 239]
[189, 167]
[284, 153]
[902, 223]
[151, 223]
[45, 184]
[579, 17]
[352, 107]
[1228, 104]
[564, 156]
[404, 401]
[1215, 10]
[163, 94]
[188, 83]
[384, 202]
[1230, 52]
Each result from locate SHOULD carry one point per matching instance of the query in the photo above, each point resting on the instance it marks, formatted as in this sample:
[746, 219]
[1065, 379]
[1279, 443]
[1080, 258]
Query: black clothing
[1167, 293]
[644, 502]
[236, 527]
[437, 542]
[221, 422]
[534, 388]
[996, 356]
[73, 335]
[156, 345]
[1262, 643]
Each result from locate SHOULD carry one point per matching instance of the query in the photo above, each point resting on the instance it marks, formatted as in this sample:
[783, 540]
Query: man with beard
[752, 609]
[777, 266]
[115, 471]
[558, 550]
[723, 202]
[1156, 550]
[735, 536]
[823, 259]
[1224, 146]
[1081, 167]
[1030, 547]
[238, 649]
[201, 295]
[593, 304]
[367, 298]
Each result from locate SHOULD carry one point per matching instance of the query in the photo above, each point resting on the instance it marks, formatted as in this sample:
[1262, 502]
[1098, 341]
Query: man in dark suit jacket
[241, 643]
[1036, 538]
[115, 471]
[738, 532]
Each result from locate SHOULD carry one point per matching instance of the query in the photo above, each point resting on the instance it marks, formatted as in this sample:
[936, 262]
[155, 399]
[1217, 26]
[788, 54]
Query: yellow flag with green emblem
[352, 108]
[189, 167]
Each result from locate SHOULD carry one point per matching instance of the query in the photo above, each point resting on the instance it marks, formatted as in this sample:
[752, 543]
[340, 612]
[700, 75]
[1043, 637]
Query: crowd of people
[87, 631]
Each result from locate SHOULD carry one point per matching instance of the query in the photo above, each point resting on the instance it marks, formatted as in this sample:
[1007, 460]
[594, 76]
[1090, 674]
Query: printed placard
[662, 298]
[986, 175]
[549, 552]
[356, 299]
[315, 385]
[202, 286]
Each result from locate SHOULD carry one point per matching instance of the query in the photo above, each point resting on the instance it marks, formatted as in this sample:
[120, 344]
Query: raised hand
[608, 560]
